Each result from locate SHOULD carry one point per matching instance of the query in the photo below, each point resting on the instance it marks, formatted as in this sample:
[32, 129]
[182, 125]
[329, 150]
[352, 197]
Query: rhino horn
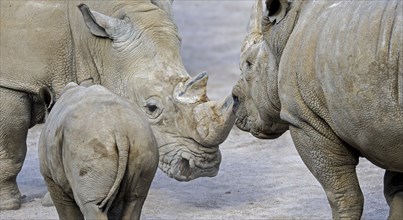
[214, 120]
[193, 90]
[276, 10]
[254, 26]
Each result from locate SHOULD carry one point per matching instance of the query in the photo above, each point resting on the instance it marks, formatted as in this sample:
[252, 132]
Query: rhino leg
[92, 211]
[132, 208]
[65, 205]
[333, 165]
[393, 190]
[15, 119]
[47, 201]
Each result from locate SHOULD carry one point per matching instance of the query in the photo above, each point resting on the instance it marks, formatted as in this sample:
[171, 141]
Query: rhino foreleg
[333, 165]
[393, 190]
[15, 119]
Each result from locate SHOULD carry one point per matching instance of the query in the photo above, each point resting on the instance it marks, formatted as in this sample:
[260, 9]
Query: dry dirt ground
[258, 179]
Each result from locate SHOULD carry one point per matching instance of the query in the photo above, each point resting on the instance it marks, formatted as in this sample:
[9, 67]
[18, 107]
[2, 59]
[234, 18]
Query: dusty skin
[258, 179]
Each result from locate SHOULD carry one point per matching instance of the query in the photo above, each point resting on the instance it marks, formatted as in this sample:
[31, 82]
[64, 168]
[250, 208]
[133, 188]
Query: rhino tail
[123, 145]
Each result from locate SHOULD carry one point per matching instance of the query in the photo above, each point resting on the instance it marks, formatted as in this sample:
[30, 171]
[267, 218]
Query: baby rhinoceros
[98, 155]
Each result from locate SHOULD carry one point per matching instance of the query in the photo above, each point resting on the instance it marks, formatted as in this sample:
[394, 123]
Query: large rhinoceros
[330, 72]
[130, 47]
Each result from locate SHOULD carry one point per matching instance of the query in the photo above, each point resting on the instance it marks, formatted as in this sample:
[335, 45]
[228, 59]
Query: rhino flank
[130, 47]
[330, 72]
[95, 163]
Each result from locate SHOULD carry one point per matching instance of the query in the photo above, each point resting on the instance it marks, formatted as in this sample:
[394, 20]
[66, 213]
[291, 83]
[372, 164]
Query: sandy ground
[258, 179]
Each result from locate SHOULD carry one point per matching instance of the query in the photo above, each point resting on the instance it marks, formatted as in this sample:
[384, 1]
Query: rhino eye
[249, 64]
[153, 107]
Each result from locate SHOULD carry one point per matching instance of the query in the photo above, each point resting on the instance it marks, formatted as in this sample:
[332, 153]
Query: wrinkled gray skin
[97, 154]
[133, 49]
[331, 72]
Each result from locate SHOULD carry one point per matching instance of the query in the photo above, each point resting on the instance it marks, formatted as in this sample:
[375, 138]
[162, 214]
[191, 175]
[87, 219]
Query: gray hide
[97, 154]
[331, 72]
[130, 47]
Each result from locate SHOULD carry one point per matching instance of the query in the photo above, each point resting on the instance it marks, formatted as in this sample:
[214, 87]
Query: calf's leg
[333, 165]
[65, 205]
[92, 211]
[135, 201]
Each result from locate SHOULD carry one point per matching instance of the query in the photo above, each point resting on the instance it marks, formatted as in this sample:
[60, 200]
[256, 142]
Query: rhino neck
[276, 37]
[86, 50]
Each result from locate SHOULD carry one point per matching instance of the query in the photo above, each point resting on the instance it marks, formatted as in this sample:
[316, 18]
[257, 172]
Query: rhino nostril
[184, 168]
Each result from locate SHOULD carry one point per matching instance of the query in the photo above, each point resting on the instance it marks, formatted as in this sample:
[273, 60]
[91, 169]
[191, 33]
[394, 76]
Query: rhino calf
[98, 155]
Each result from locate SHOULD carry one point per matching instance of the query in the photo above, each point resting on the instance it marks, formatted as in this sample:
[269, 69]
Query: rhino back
[342, 61]
[35, 45]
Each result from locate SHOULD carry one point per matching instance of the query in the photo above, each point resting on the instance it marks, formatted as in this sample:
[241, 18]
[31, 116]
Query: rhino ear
[47, 96]
[276, 10]
[255, 21]
[69, 86]
[102, 25]
[254, 27]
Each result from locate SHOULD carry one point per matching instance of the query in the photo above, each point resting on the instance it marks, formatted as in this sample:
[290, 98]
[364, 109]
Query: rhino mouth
[261, 130]
[185, 164]
[244, 123]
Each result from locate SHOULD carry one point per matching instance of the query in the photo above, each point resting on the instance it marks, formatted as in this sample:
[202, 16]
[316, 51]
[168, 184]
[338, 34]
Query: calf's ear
[276, 10]
[47, 97]
[102, 25]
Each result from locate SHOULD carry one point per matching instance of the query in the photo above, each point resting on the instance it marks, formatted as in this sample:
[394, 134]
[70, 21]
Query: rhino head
[257, 89]
[144, 57]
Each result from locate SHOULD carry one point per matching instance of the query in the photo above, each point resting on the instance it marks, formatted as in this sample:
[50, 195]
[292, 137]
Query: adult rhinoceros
[331, 72]
[130, 47]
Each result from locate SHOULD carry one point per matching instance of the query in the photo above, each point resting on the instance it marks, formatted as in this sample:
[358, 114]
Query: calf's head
[256, 90]
[142, 62]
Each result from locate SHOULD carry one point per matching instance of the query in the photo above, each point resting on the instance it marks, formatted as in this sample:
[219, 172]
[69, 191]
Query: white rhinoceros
[95, 163]
[130, 47]
[331, 72]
